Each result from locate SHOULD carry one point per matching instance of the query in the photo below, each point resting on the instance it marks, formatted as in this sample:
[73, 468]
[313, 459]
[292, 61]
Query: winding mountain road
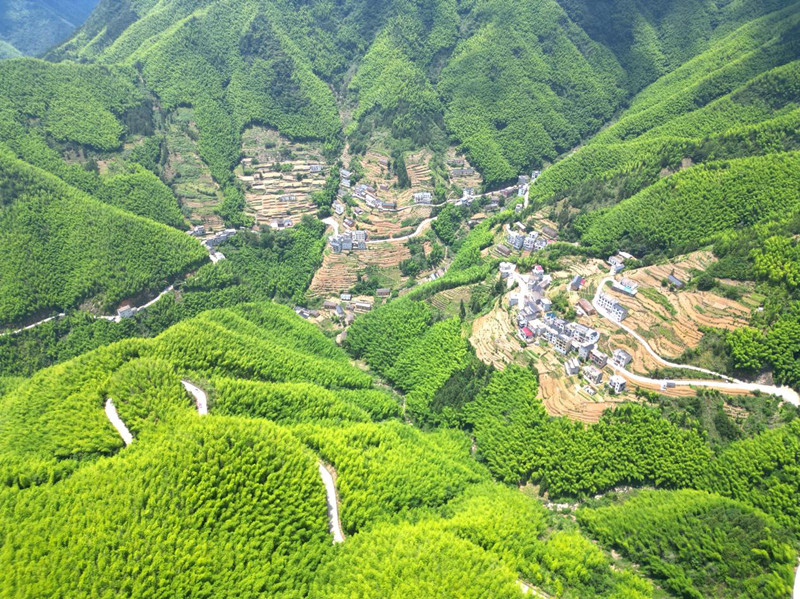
[116, 421]
[332, 497]
[200, 396]
[728, 384]
[796, 593]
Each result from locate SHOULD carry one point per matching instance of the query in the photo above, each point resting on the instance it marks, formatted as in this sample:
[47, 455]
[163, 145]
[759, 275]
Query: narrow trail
[528, 589]
[200, 396]
[33, 325]
[727, 383]
[108, 317]
[156, 298]
[116, 421]
[327, 473]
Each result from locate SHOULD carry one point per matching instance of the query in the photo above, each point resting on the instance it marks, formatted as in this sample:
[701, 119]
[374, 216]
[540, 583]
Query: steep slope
[63, 247]
[237, 501]
[738, 99]
[34, 26]
[234, 496]
[515, 84]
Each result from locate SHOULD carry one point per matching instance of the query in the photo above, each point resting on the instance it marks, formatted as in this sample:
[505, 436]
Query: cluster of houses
[530, 242]
[281, 223]
[364, 192]
[348, 241]
[627, 286]
[567, 337]
[423, 197]
[468, 196]
[346, 308]
[535, 321]
[522, 240]
[462, 171]
[219, 238]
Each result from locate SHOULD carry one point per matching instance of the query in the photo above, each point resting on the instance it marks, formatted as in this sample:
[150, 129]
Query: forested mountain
[33, 26]
[513, 83]
[217, 443]
[236, 495]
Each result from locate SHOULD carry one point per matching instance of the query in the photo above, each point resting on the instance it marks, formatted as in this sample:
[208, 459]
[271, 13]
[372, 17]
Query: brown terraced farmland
[495, 342]
[670, 320]
[339, 272]
[277, 175]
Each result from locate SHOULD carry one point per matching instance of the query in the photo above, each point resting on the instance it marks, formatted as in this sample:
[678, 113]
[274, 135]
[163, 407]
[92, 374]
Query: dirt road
[416, 233]
[32, 326]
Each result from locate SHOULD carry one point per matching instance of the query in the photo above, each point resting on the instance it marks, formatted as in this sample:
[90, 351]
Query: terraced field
[339, 272]
[187, 174]
[274, 168]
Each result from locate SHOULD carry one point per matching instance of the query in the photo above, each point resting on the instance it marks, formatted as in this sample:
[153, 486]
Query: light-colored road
[728, 384]
[34, 325]
[601, 288]
[156, 298]
[528, 589]
[108, 317]
[332, 497]
[332, 222]
[116, 421]
[796, 594]
[200, 397]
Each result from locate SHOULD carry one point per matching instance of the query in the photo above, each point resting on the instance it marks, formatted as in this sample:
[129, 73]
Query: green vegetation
[271, 265]
[390, 469]
[62, 247]
[698, 544]
[390, 558]
[252, 520]
[688, 209]
[517, 96]
[724, 419]
[142, 193]
[630, 445]
[34, 26]
[134, 126]
[762, 472]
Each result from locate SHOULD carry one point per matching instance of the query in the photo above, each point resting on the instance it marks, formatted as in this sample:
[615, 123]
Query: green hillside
[737, 99]
[513, 84]
[33, 26]
[238, 498]
[239, 438]
[62, 247]
[8, 51]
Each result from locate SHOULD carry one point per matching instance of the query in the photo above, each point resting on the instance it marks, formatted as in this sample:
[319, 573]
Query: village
[586, 362]
[597, 331]
[577, 343]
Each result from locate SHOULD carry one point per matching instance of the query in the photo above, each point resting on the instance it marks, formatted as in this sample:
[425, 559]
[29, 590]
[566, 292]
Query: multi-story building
[616, 310]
